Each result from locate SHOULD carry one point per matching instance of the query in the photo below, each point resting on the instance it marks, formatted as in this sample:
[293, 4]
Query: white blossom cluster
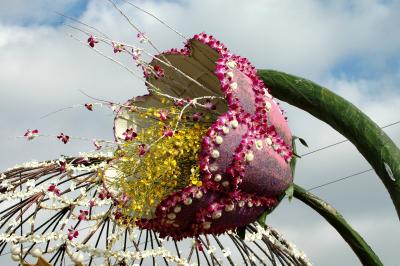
[128, 255]
[28, 165]
[91, 251]
[39, 238]
[277, 239]
[81, 168]
[97, 154]
[25, 193]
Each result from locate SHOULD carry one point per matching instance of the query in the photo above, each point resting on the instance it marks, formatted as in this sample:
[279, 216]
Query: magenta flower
[83, 215]
[118, 47]
[92, 41]
[129, 134]
[180, 103]
[163, 115]
[92, 203]
[31, 134]
[53, 188]
[136, 53]
[168, 132]
[158, 71]
[142, 149]
[141, 37]
[64, 138]
[89, 106]
[197, 116]
[72, 233]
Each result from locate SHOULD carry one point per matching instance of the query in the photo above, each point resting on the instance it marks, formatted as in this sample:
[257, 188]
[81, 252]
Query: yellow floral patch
[169, 164]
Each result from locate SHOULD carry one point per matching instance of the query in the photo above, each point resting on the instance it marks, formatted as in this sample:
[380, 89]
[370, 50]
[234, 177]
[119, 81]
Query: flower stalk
[370, 140]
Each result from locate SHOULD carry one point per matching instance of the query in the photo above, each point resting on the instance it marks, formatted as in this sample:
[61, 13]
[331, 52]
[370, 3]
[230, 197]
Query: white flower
[211, 249]
[226, 252]
[30, 183]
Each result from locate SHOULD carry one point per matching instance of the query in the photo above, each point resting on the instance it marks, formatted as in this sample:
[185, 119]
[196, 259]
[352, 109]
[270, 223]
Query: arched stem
[355, 241]
[376, 147]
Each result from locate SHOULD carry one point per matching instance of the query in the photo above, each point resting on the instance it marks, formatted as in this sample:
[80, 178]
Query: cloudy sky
[351, 47]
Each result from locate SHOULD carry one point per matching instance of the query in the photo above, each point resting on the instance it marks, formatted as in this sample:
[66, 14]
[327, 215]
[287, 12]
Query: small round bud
[219, 140]
[36, 252]
[217, 178]
[215, 154]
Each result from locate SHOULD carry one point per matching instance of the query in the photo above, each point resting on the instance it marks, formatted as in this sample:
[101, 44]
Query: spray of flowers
[205, 153]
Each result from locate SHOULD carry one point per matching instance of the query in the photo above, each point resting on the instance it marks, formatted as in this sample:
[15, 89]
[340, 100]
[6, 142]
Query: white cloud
[33, 11]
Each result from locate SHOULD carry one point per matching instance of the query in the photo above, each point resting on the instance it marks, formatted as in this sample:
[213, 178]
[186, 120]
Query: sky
[350, 47]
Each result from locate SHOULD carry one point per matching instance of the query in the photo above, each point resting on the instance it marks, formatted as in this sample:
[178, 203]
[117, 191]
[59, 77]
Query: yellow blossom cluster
[169, 163]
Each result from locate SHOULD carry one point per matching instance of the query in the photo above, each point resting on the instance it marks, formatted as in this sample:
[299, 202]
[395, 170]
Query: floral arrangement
[192, 163]
[204, 154]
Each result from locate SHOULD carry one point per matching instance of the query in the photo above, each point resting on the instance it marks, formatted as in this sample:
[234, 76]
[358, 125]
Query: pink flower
[118, 47]
[209, 105]
[163, 115]
[141, 37]
[63, 165]
[129, 134]
[136, 53]
[104, 194]
[82, 215]
[146, 72]
[196, 116]
[199, 246]
[124, 198]
[168, 132]
[89, 106]
[53, 188]
[92, 41]
[92, 203]
[159, 71]
[72, 233]
[31, 134]
[97, 144]
[179, 103]
[117, 215]
[142, 149]
[64, 138]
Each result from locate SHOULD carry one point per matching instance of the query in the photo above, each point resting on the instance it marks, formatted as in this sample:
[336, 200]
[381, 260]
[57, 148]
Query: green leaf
[296, 155]
[303, 142]
[289, 192]
[263, 218]
[294, 158]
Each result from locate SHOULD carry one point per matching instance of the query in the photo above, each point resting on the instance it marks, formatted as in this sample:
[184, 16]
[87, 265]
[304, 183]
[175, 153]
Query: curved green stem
[377, 148]
[355, 241]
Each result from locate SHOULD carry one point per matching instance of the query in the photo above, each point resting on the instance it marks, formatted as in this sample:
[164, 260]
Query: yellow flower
[169, 164]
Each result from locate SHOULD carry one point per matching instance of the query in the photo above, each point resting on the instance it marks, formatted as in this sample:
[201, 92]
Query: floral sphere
[206, 151]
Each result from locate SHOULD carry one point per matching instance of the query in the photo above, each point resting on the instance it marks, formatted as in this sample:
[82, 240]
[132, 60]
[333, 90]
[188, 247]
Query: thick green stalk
[377, 148]
[355, 241]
